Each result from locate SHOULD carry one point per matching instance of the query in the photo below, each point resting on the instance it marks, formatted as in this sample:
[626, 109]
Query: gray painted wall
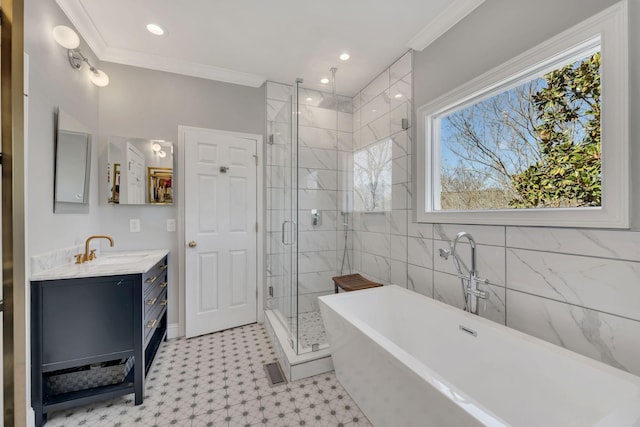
[53, 83]
[152, 104]
[137, 102]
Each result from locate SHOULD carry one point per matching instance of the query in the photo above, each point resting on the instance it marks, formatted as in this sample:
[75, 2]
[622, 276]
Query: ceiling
[249, 41]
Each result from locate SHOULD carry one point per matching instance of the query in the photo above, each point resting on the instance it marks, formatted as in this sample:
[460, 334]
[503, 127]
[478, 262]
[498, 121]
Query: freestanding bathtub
[408, 360]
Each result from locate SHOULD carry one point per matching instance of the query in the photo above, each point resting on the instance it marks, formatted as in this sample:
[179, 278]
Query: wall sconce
[157, 149]
[68, 39]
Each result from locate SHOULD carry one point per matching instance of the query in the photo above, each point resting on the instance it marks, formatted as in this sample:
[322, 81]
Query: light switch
[171, 225]
[134, 225]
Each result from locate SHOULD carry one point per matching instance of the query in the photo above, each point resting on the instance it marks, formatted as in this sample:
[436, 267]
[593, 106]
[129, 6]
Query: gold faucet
[89, 255]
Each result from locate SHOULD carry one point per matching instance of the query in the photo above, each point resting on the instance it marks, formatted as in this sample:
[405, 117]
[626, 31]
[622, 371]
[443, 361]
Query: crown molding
[442, 23]
[79, 17]
[171, 65]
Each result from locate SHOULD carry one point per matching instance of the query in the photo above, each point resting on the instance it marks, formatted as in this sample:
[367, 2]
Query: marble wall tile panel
[420, 252]
[309, 262]
[375, 108]
[317, 117]
[417, 229]
[317, 138]
[356, 102]
[345, 122]
[490, 259]
[278, 111]
[400, 68]
[309, 283]
[622, 244]
[278, 155]
[482, 234]
[376, 243]
[397, 114]
[317, 179]
[315, 98]
[317, 199]
[375, 131]
[357, 120]
[345, 141]
[376, 222]
[448, 289]
[313, 241]
[398, 273]
[399, 248]
[317, 158]
[420, 279]
[281, 133]
[375, 267]
[345, 161]
[278, 91]
[400, 93]
[398, 222]
[401, 144]
[399, 171]
[376, 87]
[597, 283]
[357, 140]
[400, 197]
[610, 339]
[329, 221]
[344, 201]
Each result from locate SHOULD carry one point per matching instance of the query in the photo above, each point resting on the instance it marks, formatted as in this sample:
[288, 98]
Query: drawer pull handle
[152, 324]
[163, 267]
[164, 284]
[164, 302]
[152, 301]
[151, 279]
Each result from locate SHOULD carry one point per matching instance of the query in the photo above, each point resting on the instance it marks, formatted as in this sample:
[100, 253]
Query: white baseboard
[173, 331]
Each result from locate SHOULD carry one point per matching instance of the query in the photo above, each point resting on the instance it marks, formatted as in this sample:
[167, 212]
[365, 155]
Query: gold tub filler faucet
[89, 255]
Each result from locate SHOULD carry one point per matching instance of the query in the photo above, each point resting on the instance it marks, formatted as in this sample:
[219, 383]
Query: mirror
[140, 171]
[72, 168]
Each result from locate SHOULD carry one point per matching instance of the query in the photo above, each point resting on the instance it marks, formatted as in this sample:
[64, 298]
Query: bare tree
[372, 176]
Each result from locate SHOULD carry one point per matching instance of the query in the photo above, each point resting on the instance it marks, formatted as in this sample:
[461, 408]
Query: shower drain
[275, 376]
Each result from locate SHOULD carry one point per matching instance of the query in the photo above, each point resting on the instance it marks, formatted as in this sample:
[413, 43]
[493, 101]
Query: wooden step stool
[353, 282]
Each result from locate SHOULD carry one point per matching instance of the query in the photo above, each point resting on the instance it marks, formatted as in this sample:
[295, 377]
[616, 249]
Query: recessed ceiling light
[398, 96]
[309, 98]
[155, 29]
[345, 56]
[324, 81]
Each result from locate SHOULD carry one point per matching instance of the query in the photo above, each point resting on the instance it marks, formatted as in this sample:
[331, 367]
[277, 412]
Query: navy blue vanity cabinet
[94, 338]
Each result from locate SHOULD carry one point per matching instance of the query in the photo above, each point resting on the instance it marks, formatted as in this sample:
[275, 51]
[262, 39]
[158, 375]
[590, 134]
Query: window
[541, 140]
[372, 177]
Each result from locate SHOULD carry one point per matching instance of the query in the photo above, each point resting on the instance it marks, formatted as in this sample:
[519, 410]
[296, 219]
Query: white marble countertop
[106, 264]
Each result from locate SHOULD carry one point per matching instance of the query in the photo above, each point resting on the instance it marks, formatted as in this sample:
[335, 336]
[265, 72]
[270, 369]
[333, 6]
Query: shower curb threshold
[296, 366]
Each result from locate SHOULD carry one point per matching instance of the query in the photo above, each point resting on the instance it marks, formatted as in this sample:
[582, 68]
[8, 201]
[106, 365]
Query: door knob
[192, 244]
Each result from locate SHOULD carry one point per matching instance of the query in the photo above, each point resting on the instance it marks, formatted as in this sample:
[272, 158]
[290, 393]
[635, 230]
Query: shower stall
[308, 152]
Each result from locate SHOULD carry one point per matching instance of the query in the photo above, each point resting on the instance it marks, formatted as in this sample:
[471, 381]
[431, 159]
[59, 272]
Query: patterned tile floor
[219, 380]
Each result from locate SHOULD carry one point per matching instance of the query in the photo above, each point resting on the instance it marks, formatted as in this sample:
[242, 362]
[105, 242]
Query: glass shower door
[282, 212]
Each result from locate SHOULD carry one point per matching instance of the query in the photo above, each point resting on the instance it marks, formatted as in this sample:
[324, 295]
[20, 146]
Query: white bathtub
[406, 362]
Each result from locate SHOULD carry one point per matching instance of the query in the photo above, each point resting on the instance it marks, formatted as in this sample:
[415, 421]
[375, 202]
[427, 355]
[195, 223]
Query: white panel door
[135, 176]
[220, 231]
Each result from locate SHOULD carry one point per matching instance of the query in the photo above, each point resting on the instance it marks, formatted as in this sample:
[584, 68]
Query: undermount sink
[106, 259]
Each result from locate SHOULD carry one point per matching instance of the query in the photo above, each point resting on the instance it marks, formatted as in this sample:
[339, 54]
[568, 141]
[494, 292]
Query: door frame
[260, 235]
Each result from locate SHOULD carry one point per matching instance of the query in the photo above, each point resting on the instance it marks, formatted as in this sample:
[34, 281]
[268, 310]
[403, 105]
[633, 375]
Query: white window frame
[609, 28]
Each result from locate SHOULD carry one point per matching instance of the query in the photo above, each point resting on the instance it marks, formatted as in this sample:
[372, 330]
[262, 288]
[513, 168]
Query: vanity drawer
[154, 320]
[157, 274]
[152, 299]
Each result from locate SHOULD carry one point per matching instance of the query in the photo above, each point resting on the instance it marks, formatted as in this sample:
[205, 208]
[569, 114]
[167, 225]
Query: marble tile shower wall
[380, 239]
[579, 289]
[325, 144]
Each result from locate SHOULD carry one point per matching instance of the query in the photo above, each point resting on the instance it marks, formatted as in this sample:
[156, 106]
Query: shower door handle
[284, 226]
